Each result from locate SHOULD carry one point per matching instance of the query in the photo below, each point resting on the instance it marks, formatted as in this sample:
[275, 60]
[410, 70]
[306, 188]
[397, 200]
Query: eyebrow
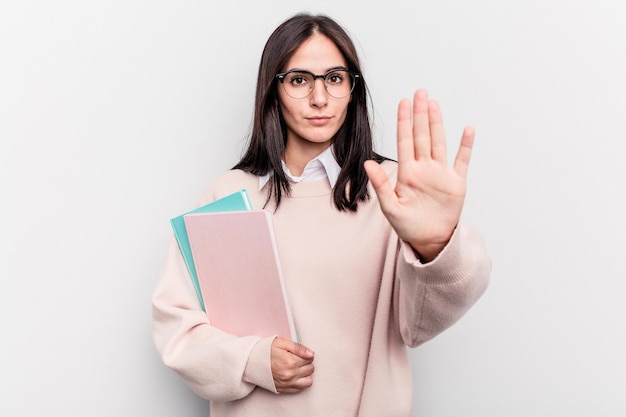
[328, 70]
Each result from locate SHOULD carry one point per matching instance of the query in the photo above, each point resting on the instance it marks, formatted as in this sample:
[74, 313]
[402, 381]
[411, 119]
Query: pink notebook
[239, 272]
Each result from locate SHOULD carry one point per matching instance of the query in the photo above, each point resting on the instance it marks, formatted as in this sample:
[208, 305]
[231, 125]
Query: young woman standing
[374, 255]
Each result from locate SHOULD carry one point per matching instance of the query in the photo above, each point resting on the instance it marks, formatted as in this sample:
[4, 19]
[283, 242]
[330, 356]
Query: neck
[296, 157]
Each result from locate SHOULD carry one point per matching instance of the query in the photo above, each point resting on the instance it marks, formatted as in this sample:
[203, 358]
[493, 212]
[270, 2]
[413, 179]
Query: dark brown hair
[352, 143]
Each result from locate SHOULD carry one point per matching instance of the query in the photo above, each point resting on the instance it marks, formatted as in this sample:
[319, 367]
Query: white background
[114, 115]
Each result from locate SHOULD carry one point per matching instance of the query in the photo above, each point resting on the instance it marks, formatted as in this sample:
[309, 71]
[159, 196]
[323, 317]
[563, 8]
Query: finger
[302, 351]
[406, 150]
[296, 348]
[293, 387]
[421, 125]
[380, 182]
[304, 382]
[437, 134]
[296, 386]
[292, 377]
[461, 162]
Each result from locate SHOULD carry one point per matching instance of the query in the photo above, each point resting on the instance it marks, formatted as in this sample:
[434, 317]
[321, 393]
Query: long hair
[353, 141]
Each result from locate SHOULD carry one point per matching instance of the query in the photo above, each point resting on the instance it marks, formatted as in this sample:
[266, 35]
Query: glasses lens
[338, 84]
[298, 84]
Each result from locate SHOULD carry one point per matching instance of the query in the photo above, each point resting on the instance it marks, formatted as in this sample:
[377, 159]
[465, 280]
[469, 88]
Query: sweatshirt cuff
[453, 264]
[259, 367]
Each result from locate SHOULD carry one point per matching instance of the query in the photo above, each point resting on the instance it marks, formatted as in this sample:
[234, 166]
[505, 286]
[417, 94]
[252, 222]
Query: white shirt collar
[322, 166]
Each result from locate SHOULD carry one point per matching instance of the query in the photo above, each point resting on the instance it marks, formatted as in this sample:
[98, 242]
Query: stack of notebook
[232, 257]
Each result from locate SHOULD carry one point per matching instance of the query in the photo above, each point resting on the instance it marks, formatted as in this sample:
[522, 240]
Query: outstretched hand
[425, 206]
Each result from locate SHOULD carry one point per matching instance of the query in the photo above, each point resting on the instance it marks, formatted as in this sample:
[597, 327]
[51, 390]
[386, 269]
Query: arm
[433, 296]
[216, 365]
[443, 267]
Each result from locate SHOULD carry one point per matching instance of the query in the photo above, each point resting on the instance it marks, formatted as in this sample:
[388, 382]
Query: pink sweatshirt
[359, 298]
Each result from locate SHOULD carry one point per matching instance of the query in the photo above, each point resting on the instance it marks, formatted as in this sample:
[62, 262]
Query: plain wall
[114, 116]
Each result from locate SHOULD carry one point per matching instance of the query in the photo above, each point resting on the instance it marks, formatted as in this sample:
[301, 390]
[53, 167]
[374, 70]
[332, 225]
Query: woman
[374, 256]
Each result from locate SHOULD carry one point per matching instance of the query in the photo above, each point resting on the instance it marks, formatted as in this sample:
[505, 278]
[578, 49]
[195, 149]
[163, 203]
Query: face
[313, 121]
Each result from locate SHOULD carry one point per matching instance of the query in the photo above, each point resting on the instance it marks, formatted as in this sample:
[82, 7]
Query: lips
[319, 120]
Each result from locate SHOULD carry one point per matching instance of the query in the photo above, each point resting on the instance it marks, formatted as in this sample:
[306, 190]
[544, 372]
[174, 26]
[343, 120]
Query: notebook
[239, 272]
[232, 202]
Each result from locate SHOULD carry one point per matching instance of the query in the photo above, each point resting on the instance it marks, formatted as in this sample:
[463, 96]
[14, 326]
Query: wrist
[427, 253]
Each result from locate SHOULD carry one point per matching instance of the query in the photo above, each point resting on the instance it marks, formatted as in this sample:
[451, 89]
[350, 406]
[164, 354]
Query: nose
[319, 95]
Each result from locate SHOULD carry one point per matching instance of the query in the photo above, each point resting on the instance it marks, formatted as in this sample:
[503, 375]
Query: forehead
[317, 54]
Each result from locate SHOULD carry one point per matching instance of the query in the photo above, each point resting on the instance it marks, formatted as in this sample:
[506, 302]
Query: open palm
[425, 206]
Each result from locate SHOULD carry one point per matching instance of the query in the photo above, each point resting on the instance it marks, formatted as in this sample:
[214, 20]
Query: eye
[298, 80]
[335, 78]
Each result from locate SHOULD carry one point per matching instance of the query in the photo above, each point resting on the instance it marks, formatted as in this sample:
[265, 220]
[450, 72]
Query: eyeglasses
[298, 83]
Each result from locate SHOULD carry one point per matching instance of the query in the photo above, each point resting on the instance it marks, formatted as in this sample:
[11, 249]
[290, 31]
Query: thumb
[380, 182]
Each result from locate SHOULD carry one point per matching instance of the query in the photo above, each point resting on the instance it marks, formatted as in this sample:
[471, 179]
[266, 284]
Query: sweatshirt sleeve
[433, 296]
[216, 365]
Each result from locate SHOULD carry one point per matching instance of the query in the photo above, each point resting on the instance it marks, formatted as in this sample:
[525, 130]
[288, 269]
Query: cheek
[286, 110]
[344, 113]
[288, 115]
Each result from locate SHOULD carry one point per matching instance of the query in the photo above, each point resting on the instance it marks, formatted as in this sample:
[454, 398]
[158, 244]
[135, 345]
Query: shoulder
[229, 182]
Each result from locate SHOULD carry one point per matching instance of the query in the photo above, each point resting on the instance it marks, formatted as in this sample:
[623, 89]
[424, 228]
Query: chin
[321, 137]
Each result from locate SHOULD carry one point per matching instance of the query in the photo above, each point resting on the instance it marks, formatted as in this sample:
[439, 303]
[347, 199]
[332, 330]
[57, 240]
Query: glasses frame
[355, 77]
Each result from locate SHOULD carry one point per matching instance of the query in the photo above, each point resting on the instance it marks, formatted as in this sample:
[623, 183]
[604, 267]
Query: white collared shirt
[322, 166]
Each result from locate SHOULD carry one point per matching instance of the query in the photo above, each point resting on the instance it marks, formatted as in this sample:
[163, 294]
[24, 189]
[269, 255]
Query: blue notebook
[238, 201]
